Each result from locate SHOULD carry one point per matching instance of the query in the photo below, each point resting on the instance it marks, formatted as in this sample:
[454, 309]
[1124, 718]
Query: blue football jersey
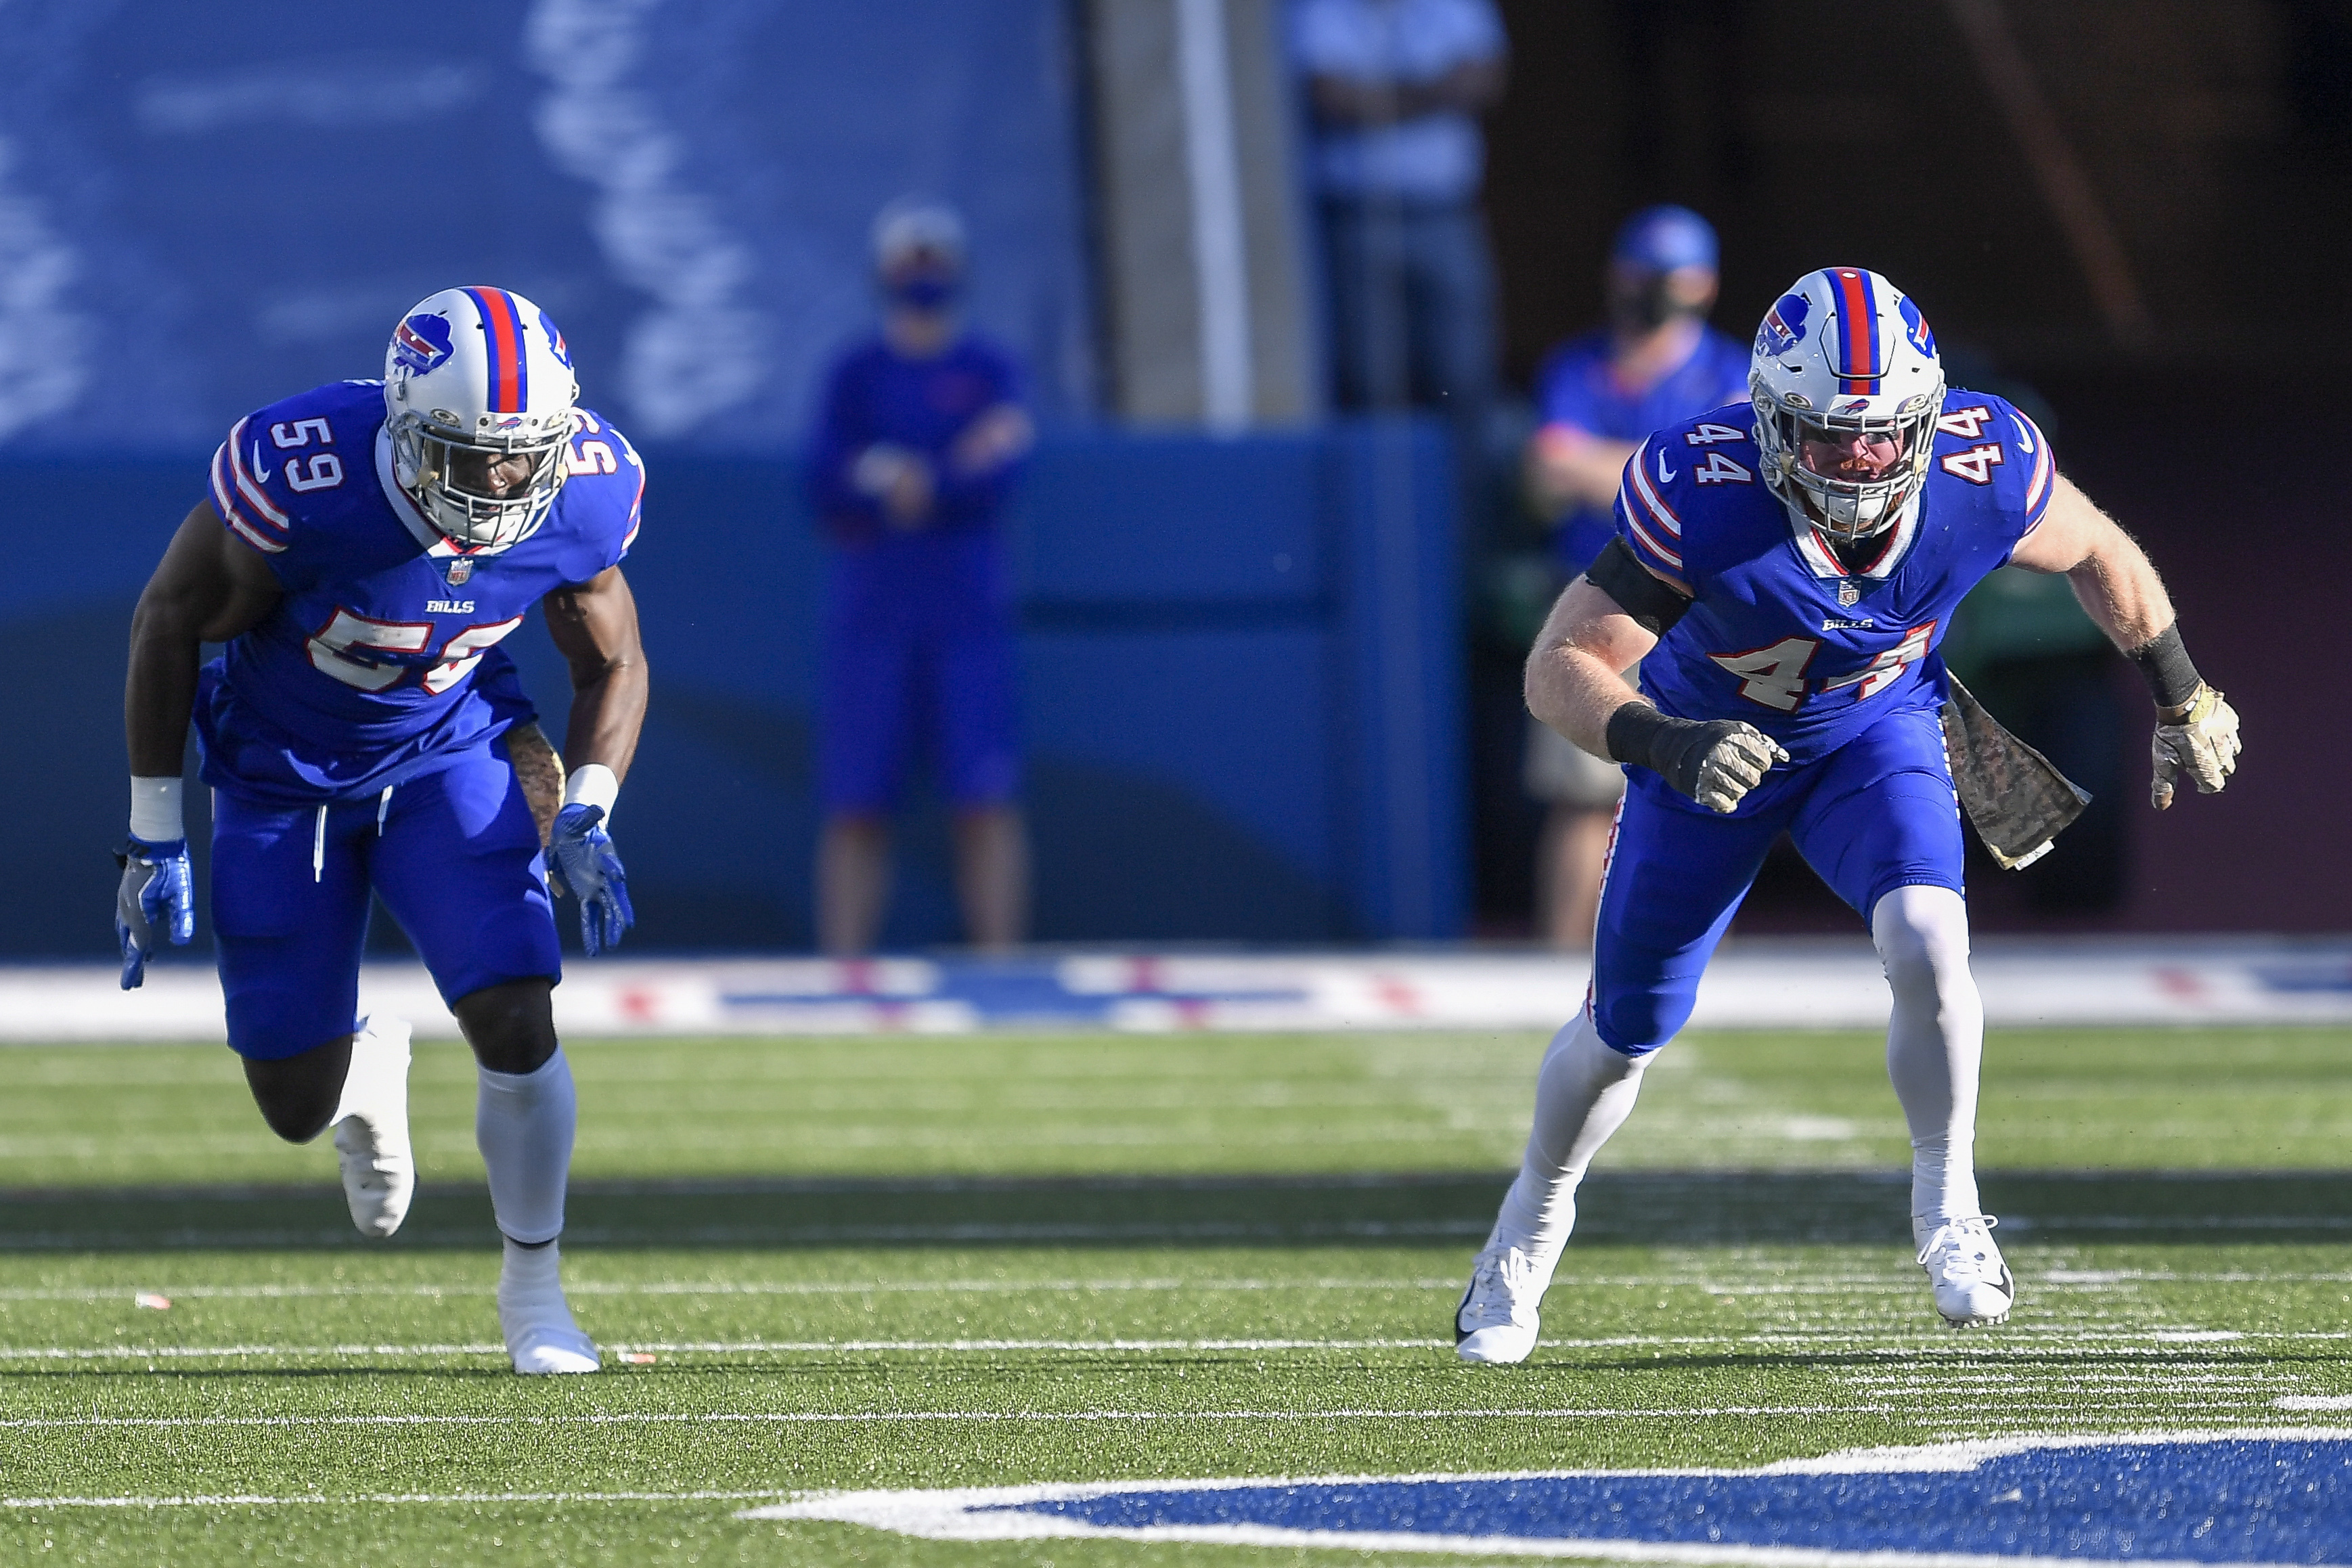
[1779, 631]
[383, 658]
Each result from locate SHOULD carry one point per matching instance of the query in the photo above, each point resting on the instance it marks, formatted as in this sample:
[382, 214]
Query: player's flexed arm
[594, 625]
[210, 586]
[2196, 730]
[1576, 682]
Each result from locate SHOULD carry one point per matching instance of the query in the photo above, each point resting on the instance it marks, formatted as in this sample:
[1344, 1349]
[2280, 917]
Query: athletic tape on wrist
[2164, 662]
[156, 815]
[1633, 734]
[593, 784]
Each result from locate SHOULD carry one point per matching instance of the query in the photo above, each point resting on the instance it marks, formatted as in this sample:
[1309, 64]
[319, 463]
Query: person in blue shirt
[1784, 572]
[921, 434]
[366, 549]
[1656, 362]
[1396, 88]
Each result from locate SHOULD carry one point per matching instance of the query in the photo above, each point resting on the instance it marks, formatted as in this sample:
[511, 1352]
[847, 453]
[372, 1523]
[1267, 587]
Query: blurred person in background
[921, 434]
[1657, 362]
[1396, 88]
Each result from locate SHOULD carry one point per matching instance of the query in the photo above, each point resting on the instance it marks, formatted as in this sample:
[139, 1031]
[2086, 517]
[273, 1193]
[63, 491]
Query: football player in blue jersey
[366, 548]
[1783, 572]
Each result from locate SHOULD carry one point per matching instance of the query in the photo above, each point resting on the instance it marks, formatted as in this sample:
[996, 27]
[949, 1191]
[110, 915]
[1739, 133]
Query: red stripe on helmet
[504, 331]
[1856, 327]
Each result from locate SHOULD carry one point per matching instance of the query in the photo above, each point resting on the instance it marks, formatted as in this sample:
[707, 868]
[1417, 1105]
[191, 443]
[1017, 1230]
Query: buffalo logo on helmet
[1915, 327]
[1851, 405]
[422, 342]
[555, 340]
[1783, 326]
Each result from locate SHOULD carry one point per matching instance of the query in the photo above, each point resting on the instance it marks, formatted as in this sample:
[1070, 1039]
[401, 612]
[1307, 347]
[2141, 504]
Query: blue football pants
[1876, 814]
[455, 856]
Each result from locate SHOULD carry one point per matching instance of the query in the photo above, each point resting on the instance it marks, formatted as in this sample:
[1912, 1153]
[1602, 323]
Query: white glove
[2202, 742]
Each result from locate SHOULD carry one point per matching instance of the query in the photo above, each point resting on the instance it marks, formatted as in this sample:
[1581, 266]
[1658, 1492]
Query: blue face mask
[921, 291]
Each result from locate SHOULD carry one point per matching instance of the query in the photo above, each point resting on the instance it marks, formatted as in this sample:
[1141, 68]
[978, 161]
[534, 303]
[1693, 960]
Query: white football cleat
[1973, 1286]
[372, 1129]
[1496, 1324]
[535, 1318]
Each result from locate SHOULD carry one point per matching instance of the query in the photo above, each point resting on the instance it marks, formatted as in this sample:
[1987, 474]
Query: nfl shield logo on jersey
[1847, 592]
[459, 571]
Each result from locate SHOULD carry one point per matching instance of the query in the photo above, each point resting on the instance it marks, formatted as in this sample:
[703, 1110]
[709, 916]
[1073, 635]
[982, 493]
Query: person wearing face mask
[1656, 362]
[921, 434]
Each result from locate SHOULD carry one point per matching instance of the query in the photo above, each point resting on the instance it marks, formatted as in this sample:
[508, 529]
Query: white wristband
[592, 784]
[156, 816]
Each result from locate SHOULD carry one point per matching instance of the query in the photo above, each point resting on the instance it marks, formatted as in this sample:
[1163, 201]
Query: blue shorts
[454, 855]
[1876, 814]
[920, 652]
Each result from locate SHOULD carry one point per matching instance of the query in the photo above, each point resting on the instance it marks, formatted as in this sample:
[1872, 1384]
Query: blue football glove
[591, 874]
[157, 892]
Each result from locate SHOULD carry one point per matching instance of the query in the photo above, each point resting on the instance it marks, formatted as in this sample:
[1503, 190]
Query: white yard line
[2047, 1345]
[135, 1352]
[712, 1288]
[890, 1418]
[313, 1500]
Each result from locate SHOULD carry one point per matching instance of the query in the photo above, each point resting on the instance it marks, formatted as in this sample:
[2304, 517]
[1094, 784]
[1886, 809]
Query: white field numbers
[1775, 677]
[338, 647]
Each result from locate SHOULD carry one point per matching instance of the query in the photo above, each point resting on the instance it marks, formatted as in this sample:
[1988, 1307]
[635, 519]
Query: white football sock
[1584, 1091]
[1934, 1045]
[379, 1067]
[522, 1124]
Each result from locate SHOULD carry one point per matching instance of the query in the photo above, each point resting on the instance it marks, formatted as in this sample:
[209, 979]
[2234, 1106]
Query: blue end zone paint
[2272, 1497]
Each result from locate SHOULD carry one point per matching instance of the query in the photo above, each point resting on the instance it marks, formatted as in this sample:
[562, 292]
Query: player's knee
[1922, 935]
[298, 1096]
[1638, 1023]
[511, 1025]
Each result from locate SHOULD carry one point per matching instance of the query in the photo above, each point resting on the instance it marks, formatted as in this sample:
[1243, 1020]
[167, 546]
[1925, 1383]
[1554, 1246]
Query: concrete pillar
[1204, 241]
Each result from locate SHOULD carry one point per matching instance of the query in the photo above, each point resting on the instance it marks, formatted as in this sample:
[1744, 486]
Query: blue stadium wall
[1243, 705]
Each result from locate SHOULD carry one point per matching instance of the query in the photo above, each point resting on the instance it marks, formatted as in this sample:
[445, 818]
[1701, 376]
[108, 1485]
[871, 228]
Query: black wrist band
[2164, 662]
[1633, 732]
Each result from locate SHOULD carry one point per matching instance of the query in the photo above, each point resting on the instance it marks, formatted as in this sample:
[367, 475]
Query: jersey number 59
[332, 651]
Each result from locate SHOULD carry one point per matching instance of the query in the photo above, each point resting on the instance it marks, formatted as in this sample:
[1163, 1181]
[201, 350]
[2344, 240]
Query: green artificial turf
[973, 1261]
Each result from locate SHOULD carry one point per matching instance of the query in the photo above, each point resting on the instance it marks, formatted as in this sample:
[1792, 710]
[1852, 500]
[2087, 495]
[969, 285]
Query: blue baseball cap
[1660, 239]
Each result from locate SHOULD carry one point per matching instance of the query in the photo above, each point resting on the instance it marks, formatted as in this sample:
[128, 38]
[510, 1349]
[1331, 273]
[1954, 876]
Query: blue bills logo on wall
[421, 342]
[2278, 1496]
[1783, 325]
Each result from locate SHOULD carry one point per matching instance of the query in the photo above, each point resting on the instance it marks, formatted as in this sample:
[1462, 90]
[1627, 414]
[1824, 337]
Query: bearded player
[366, 548]
[1785, 571]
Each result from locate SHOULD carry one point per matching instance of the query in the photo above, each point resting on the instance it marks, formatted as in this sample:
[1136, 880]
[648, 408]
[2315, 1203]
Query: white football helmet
[1845, 353]
[479, 370]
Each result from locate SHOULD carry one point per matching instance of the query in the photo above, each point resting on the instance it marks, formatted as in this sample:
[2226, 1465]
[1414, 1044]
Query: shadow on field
[1673, 1208]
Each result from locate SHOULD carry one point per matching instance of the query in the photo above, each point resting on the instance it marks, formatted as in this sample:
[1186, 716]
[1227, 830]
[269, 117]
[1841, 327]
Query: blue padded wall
[1241, 686]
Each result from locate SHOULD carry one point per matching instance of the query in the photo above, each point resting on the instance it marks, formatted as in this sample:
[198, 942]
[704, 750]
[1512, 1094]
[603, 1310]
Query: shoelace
[1952, 1245]
[1496, 1281]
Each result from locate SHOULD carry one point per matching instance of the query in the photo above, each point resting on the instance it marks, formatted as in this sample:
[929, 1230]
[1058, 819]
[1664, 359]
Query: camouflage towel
[2018, 802]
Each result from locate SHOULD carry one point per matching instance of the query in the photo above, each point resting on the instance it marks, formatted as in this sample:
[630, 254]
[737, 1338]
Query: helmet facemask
[1845, 508]
[447, 471]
